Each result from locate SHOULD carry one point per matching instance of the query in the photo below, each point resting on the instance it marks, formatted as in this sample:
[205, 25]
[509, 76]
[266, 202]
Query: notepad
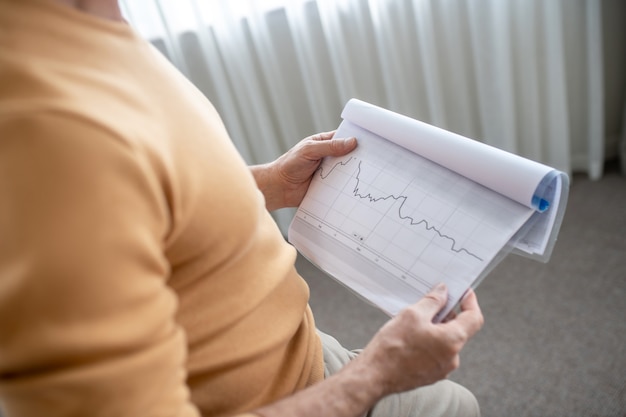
[414, 205]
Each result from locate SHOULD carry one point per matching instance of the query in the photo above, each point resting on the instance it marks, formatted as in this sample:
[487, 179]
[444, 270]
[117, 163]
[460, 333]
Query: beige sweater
[140, 274]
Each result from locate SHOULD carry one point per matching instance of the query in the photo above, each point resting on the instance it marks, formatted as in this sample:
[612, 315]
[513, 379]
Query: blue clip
[540, 203]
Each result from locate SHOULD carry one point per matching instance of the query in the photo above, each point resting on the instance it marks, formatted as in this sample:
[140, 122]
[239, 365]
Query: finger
[318, 149]
[469, 301]
[434, 301]
[471, 317]
[323, 136]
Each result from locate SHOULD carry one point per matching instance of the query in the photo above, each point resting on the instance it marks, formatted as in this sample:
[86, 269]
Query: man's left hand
[284, 182]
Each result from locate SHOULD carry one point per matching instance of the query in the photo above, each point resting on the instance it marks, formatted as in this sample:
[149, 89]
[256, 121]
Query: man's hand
[284, 182]
[408, 352]
[412, 351]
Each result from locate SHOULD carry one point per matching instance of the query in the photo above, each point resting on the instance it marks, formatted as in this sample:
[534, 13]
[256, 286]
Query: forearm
[408, 352]
[349, 393]
[271, 189]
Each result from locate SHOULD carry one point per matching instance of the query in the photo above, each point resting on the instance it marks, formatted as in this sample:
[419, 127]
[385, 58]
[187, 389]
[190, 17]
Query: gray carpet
[554, 340]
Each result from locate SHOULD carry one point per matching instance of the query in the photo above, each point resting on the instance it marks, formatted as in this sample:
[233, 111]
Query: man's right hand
[411, 351]
[408, 352]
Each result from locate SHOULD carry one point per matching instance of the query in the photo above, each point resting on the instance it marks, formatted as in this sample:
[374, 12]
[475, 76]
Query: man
[140, 271]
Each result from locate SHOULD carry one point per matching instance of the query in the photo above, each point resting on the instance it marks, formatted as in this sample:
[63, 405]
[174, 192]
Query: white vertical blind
[595, 84]
[523, 75]
[556, 132]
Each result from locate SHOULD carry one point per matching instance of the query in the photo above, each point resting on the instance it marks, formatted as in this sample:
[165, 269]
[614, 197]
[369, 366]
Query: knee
[460, 401]
[443, 399]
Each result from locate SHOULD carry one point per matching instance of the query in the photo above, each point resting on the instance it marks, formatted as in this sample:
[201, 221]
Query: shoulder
[58, 137]
[53, 164]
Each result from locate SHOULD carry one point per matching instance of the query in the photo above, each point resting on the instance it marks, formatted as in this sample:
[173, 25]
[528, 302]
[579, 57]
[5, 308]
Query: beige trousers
[445, 398]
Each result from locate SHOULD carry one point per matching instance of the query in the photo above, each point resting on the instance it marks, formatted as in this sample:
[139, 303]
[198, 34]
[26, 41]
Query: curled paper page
[508, 174]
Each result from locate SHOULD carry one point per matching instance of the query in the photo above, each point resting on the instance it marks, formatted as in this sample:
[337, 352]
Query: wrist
[349, 393]
[266, 181]
[367, 377]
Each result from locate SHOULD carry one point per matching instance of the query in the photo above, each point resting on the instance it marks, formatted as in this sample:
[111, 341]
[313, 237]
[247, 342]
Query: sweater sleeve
[87, 321]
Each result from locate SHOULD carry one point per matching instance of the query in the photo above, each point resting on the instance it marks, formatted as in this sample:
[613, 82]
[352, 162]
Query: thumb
[434, 300]
[332, 147]
[342, 146]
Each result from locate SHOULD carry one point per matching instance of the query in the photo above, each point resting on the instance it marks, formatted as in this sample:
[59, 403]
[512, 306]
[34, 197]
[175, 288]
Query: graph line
[342, 163]
[403, 198]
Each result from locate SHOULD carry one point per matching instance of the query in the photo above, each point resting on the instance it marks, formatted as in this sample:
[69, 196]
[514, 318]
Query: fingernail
[441, 287]
[349, 141]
